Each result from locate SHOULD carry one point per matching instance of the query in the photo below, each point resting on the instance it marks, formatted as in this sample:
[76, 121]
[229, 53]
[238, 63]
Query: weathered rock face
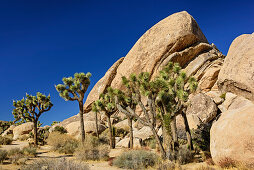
[124, 143]
[201, 109]
[237, 73]
[102, 85]
[22, 129]
[232, 136]
[9, 130]
[123, 125]
[176, 38]
[74, 128]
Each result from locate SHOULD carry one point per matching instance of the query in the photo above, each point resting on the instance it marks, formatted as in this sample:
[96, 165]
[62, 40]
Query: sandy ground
[45, 152]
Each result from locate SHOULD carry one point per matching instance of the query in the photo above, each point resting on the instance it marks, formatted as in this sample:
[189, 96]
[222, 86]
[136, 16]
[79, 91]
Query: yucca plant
[31, 108]
[106, 104]
[74, 88]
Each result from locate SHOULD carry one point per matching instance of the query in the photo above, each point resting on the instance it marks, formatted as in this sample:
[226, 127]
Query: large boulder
[237, 73]
[144, 133]
[9, 130]
[202, 109]
[22, 129]
[232, 136]
[125, 143]
[74, 128]
[176, 38]
[172, 34]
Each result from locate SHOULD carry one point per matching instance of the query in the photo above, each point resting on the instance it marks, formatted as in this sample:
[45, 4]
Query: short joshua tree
[30, 109]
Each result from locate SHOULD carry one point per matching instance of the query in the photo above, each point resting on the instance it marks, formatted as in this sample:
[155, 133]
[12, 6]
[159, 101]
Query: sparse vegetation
[92, 149]
[3, 155]
[29, 151]
[201, 136]
[136, 159]
[62, 143]
[5, 140]
[55, 164]
[60, 129]
[227, 163]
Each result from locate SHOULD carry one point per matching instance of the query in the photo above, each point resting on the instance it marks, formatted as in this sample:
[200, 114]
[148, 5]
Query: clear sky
[42, 41]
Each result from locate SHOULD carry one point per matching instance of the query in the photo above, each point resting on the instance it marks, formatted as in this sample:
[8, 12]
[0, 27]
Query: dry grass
[62, 143]
[55, 164]
[92, 149]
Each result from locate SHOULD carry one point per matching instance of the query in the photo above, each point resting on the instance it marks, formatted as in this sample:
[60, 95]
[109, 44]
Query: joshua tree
[31, 108]
[135, 86]
[106, 103]
[174, 88]
[166, 96]
[95, 110]
[74, 88]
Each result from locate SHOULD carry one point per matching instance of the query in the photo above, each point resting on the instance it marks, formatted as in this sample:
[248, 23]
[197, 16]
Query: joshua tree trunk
[96, 124]
[162, 150]
[35, 133]
[131, 131]
[174, 132]
[110, 133]
[82, 126]
[187, 130]
[167, 140]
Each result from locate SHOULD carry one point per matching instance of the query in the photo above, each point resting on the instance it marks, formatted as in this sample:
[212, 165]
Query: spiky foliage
[31, 108]
[106, 104]
[166, 95]
[74, 88]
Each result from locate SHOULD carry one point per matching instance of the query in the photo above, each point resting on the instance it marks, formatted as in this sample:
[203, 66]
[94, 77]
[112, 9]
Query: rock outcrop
[176, 38]
[202, 109]
[22, 129]
[237, 73]
[232, 136]
[74, 128]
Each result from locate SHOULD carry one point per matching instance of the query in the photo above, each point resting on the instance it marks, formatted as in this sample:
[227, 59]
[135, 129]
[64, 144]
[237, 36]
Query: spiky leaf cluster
[73, 88]
[106, 102]
[171, 85]
[31, 107]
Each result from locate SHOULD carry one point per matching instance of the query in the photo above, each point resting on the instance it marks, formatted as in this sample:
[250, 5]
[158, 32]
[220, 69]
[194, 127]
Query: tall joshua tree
[31, 108]
[106, 103]
[74, 88]
[174, 88]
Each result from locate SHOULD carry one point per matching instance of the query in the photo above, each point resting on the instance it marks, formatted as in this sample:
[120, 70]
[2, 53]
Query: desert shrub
[15, 155]
[183, 155]
[204, 167]
[55, 164]
[223, 96]
[3, 155]
[136, 159]
[60, 129]
[168, 165]
[29, 151]
[62, 143]
[227, 163]
[92, 149]
[201, 136]
[120, 132]
[5, 140]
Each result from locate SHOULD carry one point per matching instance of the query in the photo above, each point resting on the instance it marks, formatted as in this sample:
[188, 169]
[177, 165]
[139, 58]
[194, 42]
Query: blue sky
[44, 40]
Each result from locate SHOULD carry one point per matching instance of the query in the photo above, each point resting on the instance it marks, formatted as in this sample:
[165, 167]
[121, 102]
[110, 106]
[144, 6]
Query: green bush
[3, 155]
[62, 143]
[55, 164]
[5, 140]
[60, 129]
[92, 149]
[29, 151]
[136, 159]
